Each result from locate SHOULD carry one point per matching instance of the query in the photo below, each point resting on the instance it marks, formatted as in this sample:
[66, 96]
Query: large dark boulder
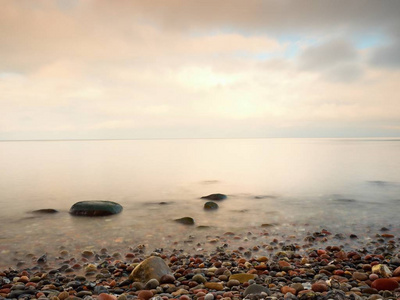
[95, 208]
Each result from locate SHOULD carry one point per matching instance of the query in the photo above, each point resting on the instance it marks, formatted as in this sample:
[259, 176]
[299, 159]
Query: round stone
[383, 284]
[255, 289]
[95, 208]
[210, 205]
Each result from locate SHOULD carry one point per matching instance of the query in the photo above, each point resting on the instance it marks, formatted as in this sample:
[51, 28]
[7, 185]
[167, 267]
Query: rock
[286, 289]
[95, 208]
[319, 287]
[199, 278]
[233, 282]
[145, 294]
[242, 277]
[382, 270]
[210, 205]
[214, 286]
[215, 197]
[185, 221]
[383, 284]
[45, 211]
[152, 284]
[396, 272]
[209, 296]
[153, 267]
[255, 289]
[104, 296]
[360, 276]
[167, 278]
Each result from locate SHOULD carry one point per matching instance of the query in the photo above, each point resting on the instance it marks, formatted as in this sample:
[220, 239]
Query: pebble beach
[261, 263]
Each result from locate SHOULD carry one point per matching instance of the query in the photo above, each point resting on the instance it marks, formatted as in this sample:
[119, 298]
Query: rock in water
[185, 221]
[45, 211]
[215, 197]
[210, 205]
[95, 208]
[153, 267]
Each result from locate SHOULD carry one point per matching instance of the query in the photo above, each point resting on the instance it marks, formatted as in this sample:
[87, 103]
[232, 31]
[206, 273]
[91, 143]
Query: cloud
[337, 60]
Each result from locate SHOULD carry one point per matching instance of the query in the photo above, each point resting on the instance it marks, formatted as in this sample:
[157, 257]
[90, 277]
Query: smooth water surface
[333, 183]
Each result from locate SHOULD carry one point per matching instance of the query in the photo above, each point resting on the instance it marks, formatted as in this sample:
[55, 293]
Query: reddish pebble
[184, 297]
[383, 284]
[287, 289]
[283, 264]
[104, 296]
[145, 294]
[396, 272]
[319, 287]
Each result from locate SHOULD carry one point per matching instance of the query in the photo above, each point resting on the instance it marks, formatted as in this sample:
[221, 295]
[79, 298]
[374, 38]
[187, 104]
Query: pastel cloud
[137, 69]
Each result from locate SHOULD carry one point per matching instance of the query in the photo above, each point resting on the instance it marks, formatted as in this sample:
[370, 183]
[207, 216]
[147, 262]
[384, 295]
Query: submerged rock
[45, 211]
[95, 208]
[215, 197]
[153, 267]
[210, 205]
[185, 221]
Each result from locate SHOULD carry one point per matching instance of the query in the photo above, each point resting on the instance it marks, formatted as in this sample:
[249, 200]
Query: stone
[145, 294]
[382, 270]
[233, 282]
[396, 272]
[152, 284]
[95, 208]
[383, 284]
[214, 286]
[153, 267]
[319, 287]
[360, 276]
[215, 197]
[185, 221]
[167, 278]
[242, 277]
[255, 289]
[45, 211]
[104, 296]
[199, 278]
[210, 205]
[286, 289]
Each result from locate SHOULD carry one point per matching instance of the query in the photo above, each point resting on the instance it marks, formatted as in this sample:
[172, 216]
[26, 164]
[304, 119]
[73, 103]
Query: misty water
[295, 185]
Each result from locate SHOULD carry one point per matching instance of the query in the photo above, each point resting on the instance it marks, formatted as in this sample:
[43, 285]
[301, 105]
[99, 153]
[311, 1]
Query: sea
[287, 187]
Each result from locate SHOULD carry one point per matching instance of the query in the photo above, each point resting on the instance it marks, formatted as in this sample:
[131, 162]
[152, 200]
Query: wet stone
[185, 221]
[215, 197]
[95, 208]
[255, 289]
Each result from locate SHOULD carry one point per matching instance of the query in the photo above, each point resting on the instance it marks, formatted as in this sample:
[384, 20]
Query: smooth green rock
[95, 208]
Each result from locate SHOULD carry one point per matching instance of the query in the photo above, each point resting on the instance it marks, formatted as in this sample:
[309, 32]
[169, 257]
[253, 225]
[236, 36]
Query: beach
[304, 218]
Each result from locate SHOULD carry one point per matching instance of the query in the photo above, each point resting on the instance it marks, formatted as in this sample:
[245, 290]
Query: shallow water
[344, 185]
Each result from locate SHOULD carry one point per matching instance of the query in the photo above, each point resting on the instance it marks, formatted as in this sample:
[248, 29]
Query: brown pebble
[319, 287]
[214, 286]
[145, 294]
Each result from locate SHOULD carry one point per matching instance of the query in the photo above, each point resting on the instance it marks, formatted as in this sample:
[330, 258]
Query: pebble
[104, 296]
[255, 289]
[382, 284]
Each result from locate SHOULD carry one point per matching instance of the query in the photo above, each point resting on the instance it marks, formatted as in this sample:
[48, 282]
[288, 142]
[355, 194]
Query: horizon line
[200, 138]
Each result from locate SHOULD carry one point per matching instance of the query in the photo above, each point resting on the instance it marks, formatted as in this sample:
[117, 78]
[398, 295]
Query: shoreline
[312, 265]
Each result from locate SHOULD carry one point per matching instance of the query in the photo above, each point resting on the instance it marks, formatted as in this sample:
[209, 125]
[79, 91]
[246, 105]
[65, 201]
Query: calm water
[339, 184]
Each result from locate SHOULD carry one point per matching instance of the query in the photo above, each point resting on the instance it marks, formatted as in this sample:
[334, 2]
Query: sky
[133, 69]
